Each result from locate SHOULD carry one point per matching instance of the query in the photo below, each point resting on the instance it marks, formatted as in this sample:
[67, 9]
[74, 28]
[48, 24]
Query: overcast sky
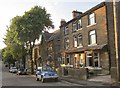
[59, 9]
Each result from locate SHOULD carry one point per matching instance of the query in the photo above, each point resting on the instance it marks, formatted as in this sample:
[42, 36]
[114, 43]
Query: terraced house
[85, 40]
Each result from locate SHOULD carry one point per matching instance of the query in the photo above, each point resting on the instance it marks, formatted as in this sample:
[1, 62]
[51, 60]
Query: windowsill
[91, 25]
[93, 68]
[79, 29]
[79, 46]
[66, 34]
[92, 45]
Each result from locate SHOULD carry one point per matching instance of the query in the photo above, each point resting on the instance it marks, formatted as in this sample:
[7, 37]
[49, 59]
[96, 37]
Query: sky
[59, 9]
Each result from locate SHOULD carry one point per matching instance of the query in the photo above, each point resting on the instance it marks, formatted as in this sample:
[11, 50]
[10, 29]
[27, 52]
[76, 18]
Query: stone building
[44, 47]
[54, 45]
[84, 41]
[113, 26]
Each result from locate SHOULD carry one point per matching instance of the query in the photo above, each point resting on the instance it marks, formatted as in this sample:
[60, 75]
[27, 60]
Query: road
[11, 79]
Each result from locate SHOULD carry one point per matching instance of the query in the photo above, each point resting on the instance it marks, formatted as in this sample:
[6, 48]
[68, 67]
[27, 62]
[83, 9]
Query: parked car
[46, 72]
[21, 71]
[13, 69]
[6, 65]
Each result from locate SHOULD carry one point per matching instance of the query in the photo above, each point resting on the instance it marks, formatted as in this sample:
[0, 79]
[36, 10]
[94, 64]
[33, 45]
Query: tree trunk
[32, 68]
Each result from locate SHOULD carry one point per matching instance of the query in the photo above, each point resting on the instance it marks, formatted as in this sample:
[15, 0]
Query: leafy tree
[14, 46]
[23, 32]
[7, 57]
[31, 25]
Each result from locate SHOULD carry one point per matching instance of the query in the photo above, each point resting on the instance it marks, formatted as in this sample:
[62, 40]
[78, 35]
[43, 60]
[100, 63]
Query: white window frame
[79, 24]
[92, 37]
[68, 57]
[66, 30]
[79, 43]
[74, 26]
[66, 43]
[81, 59]
[92, 19]
[97, 59]
[75, 41]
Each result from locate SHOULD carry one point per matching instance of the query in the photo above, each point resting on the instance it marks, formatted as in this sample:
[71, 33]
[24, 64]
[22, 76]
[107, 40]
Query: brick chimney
[62, 22]
[75, 13]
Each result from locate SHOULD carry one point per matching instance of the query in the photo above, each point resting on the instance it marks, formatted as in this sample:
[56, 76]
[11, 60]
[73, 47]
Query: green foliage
[7, 57]
[24, 30]
[14, 47]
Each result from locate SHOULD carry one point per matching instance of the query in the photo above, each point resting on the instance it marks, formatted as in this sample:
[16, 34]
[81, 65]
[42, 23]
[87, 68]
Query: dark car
[21, 71]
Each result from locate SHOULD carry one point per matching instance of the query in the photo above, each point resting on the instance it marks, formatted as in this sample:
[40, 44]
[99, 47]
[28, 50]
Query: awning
[95, 47]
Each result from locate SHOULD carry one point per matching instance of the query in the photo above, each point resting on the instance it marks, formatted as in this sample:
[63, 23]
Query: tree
[7, 57]
[31, 25]
[14, 47]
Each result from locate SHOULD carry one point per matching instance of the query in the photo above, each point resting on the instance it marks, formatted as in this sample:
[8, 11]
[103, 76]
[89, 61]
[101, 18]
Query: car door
[39, 74]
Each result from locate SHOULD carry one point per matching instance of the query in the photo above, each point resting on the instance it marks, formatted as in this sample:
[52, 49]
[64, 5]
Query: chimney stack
[76, 13]
[62, 22]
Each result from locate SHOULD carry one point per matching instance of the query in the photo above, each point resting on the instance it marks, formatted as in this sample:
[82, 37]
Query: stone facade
[92, 56]
[112, 17]
[54, 46]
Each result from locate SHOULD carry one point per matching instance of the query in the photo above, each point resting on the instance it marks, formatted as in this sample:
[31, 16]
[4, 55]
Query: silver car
[13, 70]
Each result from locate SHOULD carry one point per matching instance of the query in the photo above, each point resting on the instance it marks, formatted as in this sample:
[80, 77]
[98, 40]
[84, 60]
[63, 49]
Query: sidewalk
[85, 82]
[96, 81]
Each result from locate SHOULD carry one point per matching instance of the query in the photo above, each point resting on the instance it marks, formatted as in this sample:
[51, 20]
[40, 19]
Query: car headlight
[55, 74]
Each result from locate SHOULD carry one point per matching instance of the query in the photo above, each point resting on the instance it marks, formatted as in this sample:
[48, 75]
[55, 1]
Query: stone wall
[79, 73]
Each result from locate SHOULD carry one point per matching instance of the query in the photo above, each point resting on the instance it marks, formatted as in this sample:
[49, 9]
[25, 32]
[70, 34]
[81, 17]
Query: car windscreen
[47, 68]
[21, 69]
[14, 68]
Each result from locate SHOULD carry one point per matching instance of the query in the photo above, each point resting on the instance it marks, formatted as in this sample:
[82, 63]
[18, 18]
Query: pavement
[95, 81]
[85, 82]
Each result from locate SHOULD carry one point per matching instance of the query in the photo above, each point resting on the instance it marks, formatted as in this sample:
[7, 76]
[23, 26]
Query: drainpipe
[116, 36]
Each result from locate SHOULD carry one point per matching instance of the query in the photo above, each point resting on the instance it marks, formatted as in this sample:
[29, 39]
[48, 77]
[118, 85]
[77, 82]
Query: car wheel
[37, 79]
[56, 79]
[42, 79]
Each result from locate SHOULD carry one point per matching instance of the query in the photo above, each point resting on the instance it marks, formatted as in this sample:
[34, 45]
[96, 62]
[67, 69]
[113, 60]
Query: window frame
[75, 41]
[91, 19]
[92, 37]
[79, 40]
[98, 62]
[74, 26]
[66, 43]
[79, 26]
[66, 30]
